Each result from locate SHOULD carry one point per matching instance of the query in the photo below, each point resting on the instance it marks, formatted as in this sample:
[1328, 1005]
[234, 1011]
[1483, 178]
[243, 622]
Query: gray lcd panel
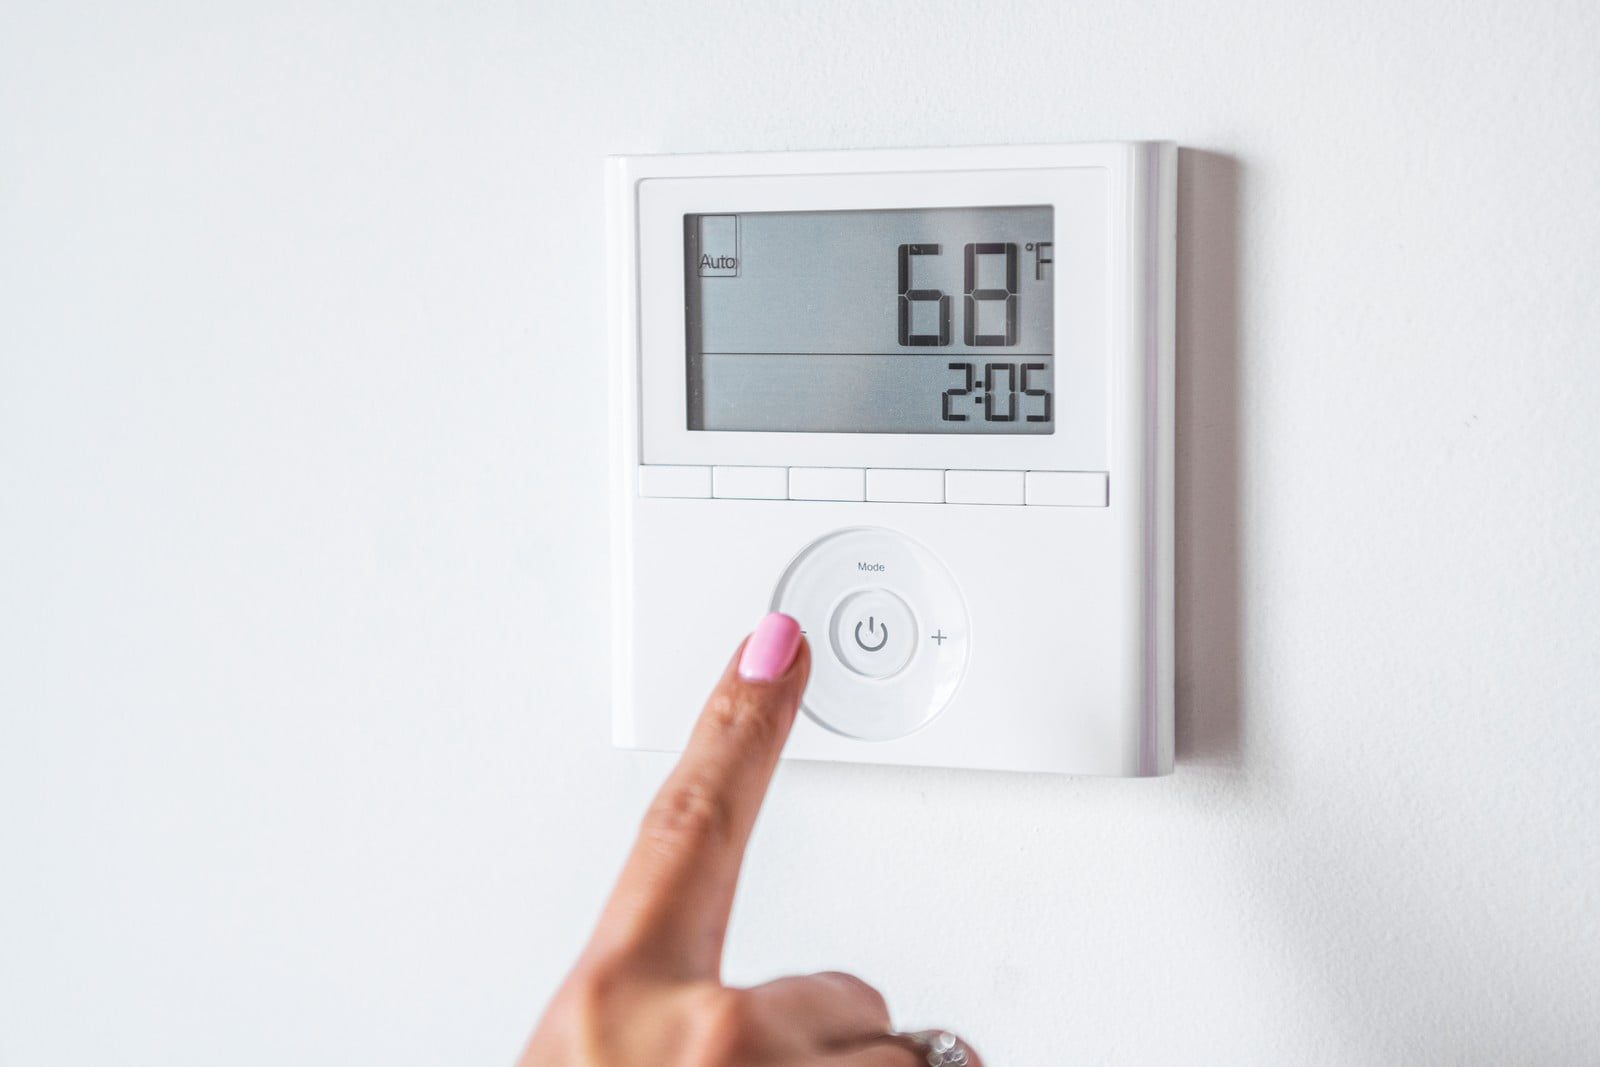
[935, 320]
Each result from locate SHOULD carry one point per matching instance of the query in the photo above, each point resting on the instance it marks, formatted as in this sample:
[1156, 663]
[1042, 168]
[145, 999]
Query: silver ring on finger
[939, 1048]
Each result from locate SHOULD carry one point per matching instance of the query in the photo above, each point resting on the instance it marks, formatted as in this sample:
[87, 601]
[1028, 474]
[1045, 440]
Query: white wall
[303, 744]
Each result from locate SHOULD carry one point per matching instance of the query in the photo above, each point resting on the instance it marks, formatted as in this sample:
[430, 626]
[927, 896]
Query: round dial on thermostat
[888, 629]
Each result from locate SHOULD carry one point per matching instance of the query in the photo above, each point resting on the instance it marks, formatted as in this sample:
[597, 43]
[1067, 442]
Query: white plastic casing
[1066, 586]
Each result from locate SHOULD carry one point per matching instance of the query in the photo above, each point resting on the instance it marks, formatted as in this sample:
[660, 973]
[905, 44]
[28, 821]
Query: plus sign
[940, 636]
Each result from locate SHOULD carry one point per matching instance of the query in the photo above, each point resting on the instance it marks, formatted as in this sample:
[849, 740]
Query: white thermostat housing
[921, 400]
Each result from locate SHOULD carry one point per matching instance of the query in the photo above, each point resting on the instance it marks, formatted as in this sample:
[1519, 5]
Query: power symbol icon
[872, 629]
[860, 628]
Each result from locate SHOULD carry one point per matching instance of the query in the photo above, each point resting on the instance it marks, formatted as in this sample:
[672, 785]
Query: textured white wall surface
[303, 690]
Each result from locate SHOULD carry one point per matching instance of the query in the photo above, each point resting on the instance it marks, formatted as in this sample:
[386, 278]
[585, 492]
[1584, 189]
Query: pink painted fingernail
[771, 648]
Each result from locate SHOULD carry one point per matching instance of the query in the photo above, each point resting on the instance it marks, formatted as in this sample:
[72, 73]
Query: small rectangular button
[983, 487]
[827, 483]
[1073, 489]
[906, 486]
[674, 481]
[750, 483]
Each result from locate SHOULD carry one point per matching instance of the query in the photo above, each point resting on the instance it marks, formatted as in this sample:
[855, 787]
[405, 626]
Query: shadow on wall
[1419, 950]
[1208, 597]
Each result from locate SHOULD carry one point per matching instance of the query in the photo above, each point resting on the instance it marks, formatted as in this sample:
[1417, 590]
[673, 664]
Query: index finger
[670, 907]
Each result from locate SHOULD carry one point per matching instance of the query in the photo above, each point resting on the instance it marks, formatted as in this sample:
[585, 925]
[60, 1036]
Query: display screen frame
[1080, 197]
[856, 338]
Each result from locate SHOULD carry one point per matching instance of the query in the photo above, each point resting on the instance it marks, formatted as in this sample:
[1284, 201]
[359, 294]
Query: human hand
[647, 990]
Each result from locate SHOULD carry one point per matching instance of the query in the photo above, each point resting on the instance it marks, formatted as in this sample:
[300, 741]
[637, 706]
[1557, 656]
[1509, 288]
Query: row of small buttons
[1084, 489]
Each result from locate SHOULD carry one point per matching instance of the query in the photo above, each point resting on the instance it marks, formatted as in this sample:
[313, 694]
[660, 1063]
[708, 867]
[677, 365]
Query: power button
[873, 633]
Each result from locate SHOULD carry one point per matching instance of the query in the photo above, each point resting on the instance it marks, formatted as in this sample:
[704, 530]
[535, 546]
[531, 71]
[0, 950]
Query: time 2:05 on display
[1003, 389]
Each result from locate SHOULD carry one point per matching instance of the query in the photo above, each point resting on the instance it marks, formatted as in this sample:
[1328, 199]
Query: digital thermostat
[922, 401]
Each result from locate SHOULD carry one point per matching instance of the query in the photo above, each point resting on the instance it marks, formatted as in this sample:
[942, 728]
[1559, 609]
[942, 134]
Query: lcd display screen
[926, 321]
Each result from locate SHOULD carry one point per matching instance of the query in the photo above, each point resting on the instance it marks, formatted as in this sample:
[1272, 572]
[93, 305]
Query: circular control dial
[896, 631]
